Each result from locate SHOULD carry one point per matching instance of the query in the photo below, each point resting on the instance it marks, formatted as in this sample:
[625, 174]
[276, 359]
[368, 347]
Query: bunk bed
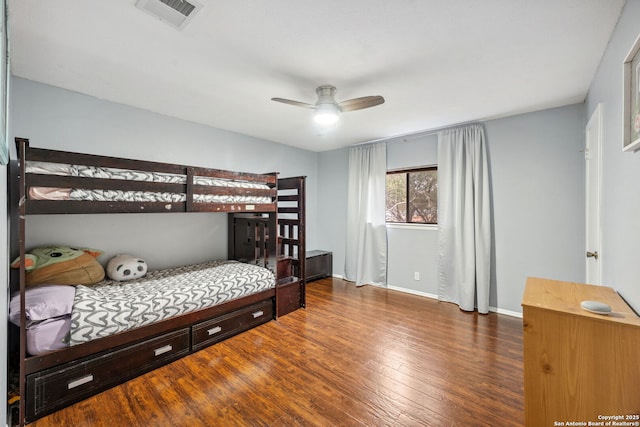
[59, 182]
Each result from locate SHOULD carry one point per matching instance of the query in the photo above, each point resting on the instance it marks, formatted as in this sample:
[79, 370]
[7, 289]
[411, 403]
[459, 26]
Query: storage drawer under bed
[215, 330]
[55, 388]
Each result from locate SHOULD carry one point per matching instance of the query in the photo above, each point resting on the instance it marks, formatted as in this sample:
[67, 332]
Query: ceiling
[437, 63]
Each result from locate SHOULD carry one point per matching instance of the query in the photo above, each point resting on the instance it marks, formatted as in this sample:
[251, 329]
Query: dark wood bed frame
[55, 380]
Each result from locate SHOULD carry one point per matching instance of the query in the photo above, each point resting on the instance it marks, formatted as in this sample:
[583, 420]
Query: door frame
[593, 128]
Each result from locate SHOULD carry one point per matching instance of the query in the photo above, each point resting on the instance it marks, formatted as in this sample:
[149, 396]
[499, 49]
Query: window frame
[407, 171]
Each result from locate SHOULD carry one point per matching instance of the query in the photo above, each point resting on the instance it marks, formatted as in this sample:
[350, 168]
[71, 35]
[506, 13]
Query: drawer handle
[79, 382]
[258, 314]
[214, 330]
[158, 351]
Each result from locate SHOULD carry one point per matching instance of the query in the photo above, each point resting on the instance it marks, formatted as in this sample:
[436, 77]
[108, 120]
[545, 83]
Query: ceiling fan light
[326, 114]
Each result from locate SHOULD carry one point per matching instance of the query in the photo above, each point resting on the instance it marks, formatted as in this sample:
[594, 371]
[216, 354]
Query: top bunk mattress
[54, 181]
[110, 307]
[84, 171]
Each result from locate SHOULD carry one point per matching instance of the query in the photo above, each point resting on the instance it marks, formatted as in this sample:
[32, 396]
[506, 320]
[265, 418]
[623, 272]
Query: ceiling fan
[327, 109]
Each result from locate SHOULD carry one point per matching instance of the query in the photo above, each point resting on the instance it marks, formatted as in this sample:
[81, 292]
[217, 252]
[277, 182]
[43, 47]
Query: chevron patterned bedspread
[46, 193]
[110, 307]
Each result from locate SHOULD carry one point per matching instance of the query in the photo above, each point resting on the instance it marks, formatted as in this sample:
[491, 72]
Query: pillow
[48, 335]
[61, 265]
[49, 193]
[126, 267]
[48, 168]
[42, 302]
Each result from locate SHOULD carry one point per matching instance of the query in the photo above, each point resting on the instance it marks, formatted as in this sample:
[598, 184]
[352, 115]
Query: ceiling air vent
[176, 13]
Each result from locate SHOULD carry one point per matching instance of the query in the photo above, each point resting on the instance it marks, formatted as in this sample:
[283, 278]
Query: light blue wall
[537, 173]
[620, 170]
[59, 119]
[332, 205]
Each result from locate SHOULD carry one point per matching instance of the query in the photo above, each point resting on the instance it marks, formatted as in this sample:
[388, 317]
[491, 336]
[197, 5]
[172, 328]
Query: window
[412, 196]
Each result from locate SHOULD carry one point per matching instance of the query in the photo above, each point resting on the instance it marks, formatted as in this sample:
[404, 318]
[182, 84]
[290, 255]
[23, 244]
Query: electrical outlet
[416, 275]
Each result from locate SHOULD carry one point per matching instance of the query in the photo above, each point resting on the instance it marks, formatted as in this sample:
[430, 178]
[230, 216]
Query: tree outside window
[412, 196]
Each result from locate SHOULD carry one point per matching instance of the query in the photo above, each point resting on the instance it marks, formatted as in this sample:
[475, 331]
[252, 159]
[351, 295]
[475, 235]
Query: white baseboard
[506, 312]
[434, 296]
[413, 292]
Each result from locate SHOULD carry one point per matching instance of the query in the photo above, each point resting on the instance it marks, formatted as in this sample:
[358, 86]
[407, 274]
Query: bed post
[23, 145]
[189, 189]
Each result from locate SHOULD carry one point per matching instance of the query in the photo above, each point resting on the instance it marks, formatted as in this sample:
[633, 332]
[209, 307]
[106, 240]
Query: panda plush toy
[126, 267]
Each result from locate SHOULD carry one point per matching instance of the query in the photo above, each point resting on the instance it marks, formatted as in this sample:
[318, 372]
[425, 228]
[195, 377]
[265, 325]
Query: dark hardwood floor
[354, 357]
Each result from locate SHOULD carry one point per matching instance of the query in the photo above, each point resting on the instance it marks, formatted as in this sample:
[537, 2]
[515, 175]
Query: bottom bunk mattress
[110, 307]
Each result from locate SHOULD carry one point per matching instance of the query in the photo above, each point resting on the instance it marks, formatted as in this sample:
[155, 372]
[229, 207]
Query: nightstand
[318, 264]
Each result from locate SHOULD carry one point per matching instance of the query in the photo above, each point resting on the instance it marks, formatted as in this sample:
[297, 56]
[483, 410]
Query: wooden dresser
[579, 366]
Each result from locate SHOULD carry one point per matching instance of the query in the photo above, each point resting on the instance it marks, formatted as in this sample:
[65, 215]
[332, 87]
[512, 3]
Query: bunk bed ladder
[291, 232]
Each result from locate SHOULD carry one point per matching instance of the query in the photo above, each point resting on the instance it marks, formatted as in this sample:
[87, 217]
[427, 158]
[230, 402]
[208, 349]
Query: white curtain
[366, 246]
[464, 218]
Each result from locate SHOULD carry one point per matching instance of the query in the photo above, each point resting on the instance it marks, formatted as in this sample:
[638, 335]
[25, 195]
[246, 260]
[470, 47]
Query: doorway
[593, 168]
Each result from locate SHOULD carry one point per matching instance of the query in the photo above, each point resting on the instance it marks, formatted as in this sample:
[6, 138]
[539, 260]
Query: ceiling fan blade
[360, 103]
[296, 103]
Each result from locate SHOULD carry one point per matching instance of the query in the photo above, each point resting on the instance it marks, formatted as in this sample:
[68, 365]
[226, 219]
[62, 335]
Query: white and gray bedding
[54, 193]
[110, 307]
[45, 193]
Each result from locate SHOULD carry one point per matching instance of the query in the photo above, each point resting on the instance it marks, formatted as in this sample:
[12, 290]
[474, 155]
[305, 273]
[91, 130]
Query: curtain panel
[366, 246]
[464, 218]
